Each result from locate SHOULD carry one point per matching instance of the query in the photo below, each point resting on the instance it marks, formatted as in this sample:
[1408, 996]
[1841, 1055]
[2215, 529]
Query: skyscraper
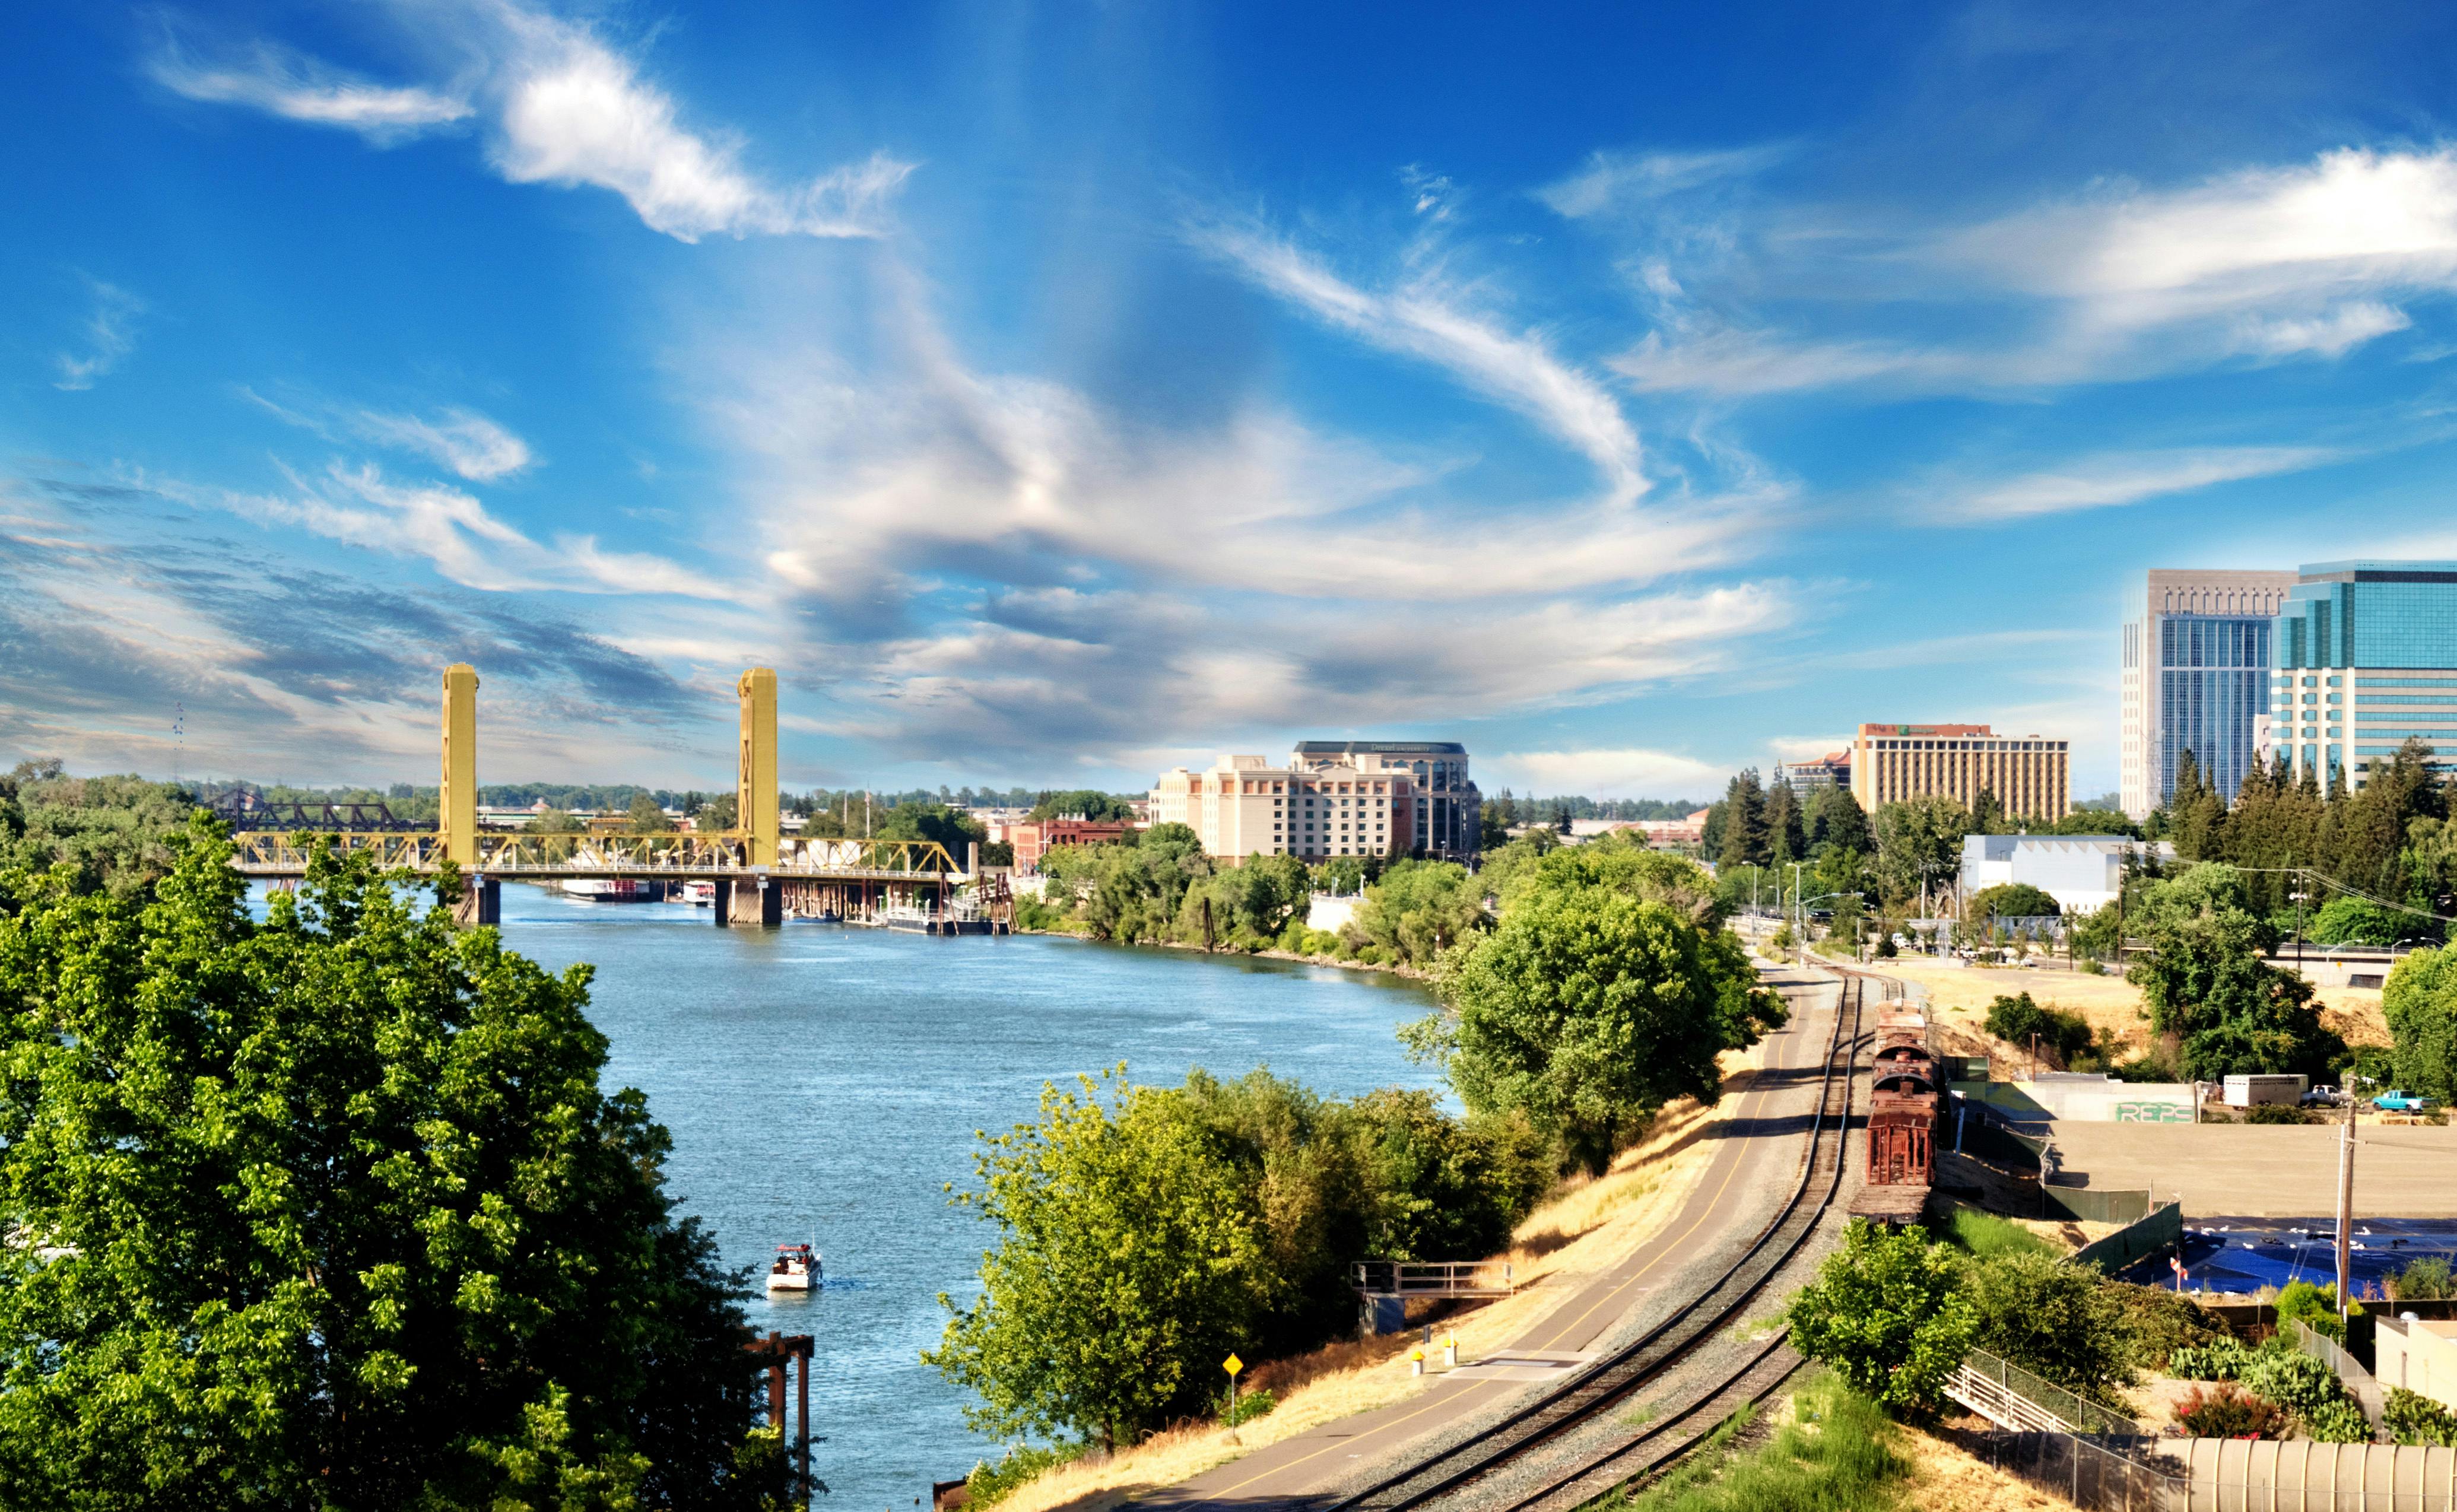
[2378, 639]
[2197, 652]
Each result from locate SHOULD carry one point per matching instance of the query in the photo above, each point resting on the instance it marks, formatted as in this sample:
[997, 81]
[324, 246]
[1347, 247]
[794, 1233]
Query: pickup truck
[2400, 1101]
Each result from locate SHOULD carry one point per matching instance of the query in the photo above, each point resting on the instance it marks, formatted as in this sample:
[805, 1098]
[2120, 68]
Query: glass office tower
[2196, 660]
[2365, 655]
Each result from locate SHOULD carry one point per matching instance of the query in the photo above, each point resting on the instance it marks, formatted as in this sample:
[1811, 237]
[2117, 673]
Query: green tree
[1836, 819]
[2058, 1320]
[1744, 839]
[648, 816]
[113, 833]
[1886, 1313]
[1128, 1260]
[335, 1214]
[716, 815]
[952, 829]
[1419, 909]
[1623, 865]
[1088, 803]
[1919, 843]
[1786, 833]
[2013, 901]
[2205, 982]
[2196, 816]
[2419, 1000]
[1588, 1010]
[2354, 922]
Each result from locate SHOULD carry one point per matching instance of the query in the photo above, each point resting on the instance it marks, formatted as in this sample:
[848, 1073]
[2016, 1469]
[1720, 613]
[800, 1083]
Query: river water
[825, 1082]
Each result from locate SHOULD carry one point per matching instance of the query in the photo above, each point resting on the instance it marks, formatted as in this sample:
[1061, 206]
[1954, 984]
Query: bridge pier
[755, 901]
[482, 902]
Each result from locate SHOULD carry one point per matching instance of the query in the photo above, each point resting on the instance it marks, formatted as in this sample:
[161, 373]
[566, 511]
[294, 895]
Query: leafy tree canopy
[1089, 803]
[1588, 1010]
[1887, 1315]
[2014, 900]
[2419, 1000]
[330, 1211]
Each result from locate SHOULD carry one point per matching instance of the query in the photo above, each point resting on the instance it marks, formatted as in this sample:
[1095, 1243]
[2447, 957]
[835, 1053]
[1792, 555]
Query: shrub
[2316, 1306]
[990, 1484]
[1886, 1313]
[2227, 1411]
[2057, 1320]
[2413, 1418]
[2016, 1019]
[2162, 1324]
[2273, 1114]
[2219, 1359]
[1249, 1406]
[2295, 1380]
[2339, 1422]
[2422, 1281]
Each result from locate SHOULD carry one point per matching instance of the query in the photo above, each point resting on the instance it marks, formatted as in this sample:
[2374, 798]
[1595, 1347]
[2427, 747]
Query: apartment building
[2195, 678]
[1243, 807]
[1447, 819]
[2364, 654]
[2030, 775]
[1833, 770]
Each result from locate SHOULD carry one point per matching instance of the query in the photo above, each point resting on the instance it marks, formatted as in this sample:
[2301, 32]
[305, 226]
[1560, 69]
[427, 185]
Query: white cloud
[1627, 772]
[455, 534]
[1426, 317]
[282, 82]
[110, 334]
[1616, 180]
[568, 109]
[2332, 334]
[463, 440]
[2112, 479]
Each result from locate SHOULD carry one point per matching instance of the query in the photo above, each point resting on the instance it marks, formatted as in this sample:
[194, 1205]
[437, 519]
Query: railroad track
[1455, 1472]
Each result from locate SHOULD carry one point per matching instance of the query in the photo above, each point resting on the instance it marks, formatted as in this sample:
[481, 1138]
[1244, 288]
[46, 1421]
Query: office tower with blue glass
[2196, 678]
[2366, 656]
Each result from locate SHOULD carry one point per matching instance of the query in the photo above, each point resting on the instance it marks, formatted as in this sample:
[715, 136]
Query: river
[825, 1082]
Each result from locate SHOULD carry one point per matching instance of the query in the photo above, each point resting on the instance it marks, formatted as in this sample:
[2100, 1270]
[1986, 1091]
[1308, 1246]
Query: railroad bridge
[759, 873]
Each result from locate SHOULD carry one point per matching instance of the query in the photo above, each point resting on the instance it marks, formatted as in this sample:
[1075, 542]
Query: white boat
[612, 890]
[798, 1268]
[699, 895]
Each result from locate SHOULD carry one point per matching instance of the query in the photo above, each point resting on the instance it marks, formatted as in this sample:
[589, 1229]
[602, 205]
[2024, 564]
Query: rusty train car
[1903, 1104]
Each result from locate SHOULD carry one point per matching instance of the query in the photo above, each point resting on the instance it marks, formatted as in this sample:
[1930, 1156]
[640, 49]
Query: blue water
[825, 1082]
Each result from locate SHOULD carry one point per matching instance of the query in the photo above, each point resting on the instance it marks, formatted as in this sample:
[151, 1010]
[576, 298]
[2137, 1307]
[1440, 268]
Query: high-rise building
[2031, 775]
[2196, 665]
[1245, 807]
[1448, 820]
[2376, 641]
[1833, 770]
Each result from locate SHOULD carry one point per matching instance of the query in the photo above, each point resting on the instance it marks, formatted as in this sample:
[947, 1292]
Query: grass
[1985, 1235]
[1836, 1451]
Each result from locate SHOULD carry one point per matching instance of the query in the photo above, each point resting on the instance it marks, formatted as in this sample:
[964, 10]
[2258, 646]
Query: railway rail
[1456, 1472]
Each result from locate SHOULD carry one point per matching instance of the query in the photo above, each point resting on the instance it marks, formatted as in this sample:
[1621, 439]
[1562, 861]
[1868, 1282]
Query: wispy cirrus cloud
[110, 335]
[281, 81]
[2109, 480]
[562, 106]
[1610, 181]
[1426, 316]
[463, 440]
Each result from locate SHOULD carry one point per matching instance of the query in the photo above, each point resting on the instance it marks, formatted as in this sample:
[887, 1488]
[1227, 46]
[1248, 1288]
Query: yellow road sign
[1232, 1364]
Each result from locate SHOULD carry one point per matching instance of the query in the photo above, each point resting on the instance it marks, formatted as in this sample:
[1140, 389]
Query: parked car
[2400, 1101]
[2325, 1097]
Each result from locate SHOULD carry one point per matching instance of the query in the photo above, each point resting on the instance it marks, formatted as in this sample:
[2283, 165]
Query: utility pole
[2346, 1206]
[1798, 916]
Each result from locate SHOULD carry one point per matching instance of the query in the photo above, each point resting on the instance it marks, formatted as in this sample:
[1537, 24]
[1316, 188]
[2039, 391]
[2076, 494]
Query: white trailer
[2247, 1091]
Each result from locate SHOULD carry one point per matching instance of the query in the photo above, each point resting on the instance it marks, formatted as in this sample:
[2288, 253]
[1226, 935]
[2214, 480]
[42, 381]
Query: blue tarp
[2246, 1255]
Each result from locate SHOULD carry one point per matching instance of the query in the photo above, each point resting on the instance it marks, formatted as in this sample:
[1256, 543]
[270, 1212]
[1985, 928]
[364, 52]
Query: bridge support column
[758, 901]
[721, 911]
[482, 902]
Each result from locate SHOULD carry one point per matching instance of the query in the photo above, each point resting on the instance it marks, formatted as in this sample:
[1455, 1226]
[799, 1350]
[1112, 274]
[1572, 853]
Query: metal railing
[2009, 1396]
[1436, 1277]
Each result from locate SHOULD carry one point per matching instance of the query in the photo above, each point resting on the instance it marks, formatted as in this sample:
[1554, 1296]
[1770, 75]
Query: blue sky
[1054, 395]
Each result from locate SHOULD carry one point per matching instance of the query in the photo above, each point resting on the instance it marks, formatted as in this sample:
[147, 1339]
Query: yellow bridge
[760, 874]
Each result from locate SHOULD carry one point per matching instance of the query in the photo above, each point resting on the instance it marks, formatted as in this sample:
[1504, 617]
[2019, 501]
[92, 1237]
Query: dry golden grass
[1947, 1477]
[1959, 998]
[1585, 1226]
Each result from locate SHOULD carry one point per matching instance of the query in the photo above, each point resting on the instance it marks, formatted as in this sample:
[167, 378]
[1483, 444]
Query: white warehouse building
[2081, 871]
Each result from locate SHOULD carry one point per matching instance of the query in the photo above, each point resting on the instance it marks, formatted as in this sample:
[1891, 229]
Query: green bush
[2341, 1421]
[2412, 1417]
[2160, 1323]
[2424, 1280]
[2293, 1379]
[2059, 1322]
[1887, 1315]
[1248, 1406]
[2315, 1305]
[2273, 1114]
[990, 1484]
[2219, 1359]
[2015, 1019]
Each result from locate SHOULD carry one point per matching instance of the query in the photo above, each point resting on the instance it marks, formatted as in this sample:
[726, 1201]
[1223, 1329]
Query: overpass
[759, 873]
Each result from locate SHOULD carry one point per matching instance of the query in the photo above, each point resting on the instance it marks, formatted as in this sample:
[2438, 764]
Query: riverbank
[1291, 957]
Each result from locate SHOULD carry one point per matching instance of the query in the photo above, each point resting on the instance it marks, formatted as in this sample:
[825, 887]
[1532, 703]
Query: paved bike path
[1756, 1149]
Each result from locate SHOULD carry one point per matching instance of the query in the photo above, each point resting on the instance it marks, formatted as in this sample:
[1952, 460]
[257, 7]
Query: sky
[1055, 395]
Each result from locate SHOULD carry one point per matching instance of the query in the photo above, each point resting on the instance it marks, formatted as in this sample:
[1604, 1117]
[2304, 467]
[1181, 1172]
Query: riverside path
[1758, 1151]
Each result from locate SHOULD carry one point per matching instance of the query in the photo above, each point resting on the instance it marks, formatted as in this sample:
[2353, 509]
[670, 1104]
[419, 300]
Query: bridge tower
[754, 791]
[456, 821]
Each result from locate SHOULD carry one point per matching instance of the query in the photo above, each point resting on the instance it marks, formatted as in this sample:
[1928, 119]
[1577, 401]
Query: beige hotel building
[2031, 775]
[1243, 807]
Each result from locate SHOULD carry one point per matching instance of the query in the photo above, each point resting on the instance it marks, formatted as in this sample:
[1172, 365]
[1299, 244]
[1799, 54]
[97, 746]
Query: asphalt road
[1757, 1155]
